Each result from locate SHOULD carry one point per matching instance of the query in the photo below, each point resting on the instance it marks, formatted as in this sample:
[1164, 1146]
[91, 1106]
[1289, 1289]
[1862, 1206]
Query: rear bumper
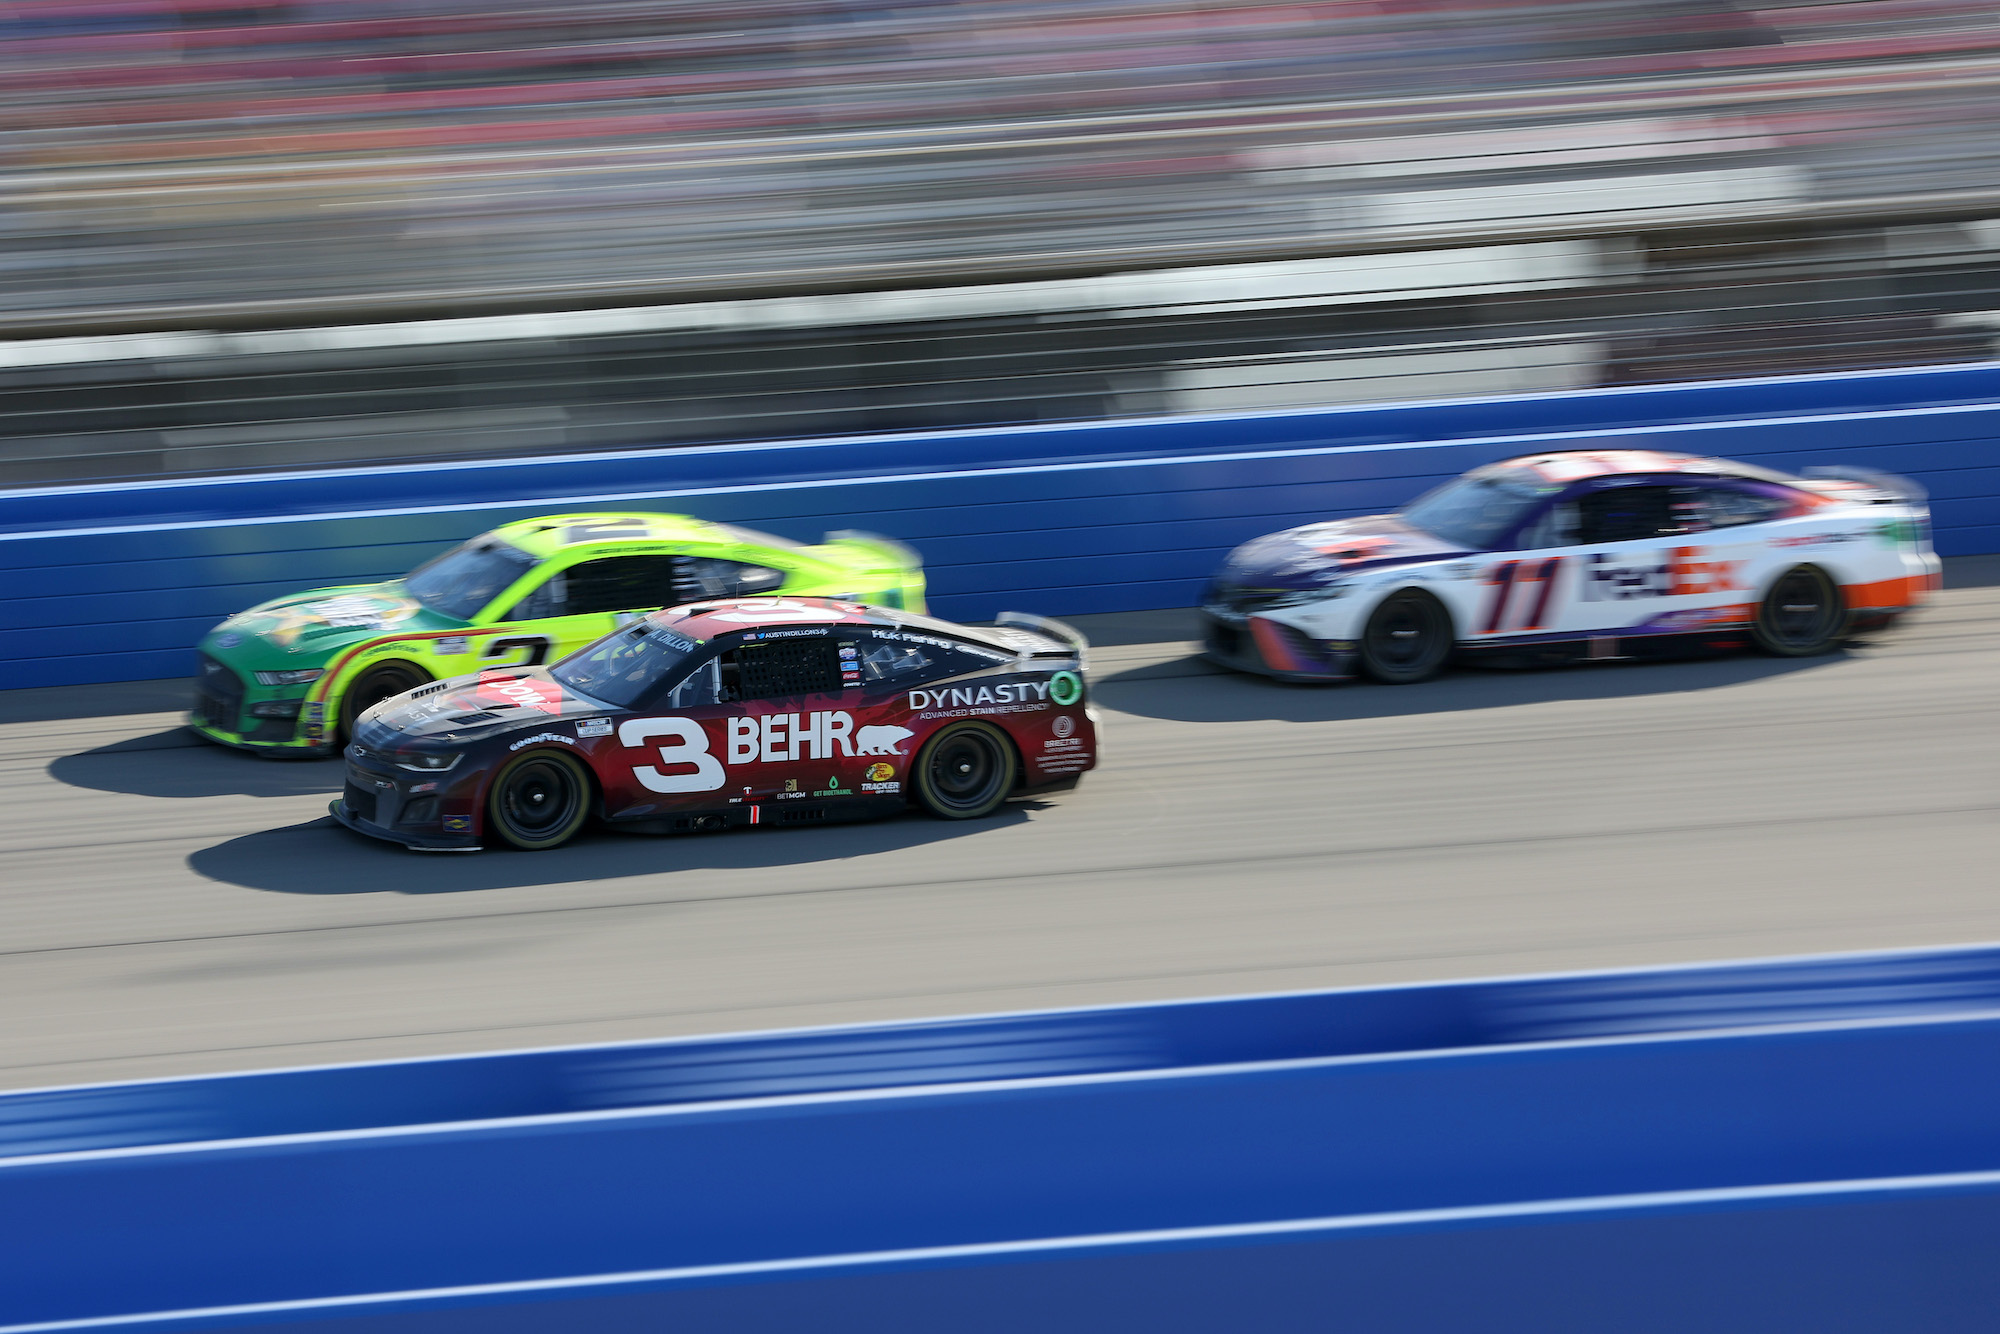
[1272, 648]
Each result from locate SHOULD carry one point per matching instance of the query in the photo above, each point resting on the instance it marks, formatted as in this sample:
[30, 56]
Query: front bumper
[390, 807]
[293, 749]
[420, 842]
[1268, 647]
[223, 712]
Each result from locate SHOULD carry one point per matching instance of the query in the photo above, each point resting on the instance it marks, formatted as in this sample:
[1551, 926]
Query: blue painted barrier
[116, 583]
[1803, 1144]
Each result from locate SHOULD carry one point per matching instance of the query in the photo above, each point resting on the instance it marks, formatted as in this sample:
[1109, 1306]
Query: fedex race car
[290, 676]
[723, 714]
[1588, 554]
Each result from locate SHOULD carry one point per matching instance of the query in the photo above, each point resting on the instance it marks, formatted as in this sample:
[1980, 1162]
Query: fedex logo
[1607, 579]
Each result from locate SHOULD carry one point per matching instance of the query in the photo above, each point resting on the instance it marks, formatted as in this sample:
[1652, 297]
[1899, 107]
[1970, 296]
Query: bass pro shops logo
[1681, 574]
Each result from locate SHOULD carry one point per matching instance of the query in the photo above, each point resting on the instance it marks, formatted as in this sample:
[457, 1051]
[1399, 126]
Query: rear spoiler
[1888, 483]
[903, 553]
[1042, 625]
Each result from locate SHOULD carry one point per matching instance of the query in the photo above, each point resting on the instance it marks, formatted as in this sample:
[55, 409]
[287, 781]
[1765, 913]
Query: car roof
[548, 534]
[1563, 466]
[713, 617]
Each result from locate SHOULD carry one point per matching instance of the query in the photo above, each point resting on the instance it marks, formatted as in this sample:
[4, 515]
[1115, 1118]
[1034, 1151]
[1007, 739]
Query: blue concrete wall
[1804, 1145]
[117, 583]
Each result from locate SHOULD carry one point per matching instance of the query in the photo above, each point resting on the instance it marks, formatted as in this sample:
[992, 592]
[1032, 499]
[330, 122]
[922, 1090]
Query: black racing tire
[372, 687]
[1802, 615]
[1408, 638]
[965, 771]
[538, 800]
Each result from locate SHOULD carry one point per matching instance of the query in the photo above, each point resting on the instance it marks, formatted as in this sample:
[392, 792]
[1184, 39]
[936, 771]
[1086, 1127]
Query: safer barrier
[117, 583]
[1793, 1144]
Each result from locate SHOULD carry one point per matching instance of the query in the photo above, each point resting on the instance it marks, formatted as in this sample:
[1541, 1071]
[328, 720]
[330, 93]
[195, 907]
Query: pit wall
[116, 583]
[1780, 1145]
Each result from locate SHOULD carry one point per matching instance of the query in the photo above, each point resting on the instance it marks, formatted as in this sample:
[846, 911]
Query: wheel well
[1020, 759]
[339, 709]
[1832, 581]
[595, 798]
[1444, 608]
[589, 770]
[367, 669]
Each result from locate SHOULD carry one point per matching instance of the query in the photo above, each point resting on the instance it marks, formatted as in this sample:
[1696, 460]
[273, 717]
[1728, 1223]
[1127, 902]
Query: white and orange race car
[1594, 554]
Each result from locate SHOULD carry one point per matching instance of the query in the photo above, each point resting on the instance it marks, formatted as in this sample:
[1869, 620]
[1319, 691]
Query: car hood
[466, 707]
[1318, 554]
[307, 628]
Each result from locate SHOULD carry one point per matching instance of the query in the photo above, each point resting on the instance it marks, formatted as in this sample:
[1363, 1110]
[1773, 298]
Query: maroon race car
[719, 714]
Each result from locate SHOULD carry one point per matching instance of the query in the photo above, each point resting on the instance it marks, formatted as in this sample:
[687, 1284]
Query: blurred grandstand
[254, 235]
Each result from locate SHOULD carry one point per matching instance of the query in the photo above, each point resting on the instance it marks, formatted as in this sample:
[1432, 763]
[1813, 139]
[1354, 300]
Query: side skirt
[762, 815]
[1607, 648]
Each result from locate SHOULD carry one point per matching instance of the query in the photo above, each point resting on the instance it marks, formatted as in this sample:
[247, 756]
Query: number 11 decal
[1505, 576]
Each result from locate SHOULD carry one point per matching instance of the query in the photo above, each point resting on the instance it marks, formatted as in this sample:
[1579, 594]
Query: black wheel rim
[539, 799]
[964, 769]
[1801, 609]
[1403, 634]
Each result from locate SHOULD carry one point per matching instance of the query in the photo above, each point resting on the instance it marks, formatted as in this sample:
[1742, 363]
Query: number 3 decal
[688, 744]
[779, 609]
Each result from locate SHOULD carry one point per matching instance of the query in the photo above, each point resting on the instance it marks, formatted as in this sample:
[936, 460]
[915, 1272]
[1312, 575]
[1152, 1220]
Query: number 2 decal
[688, 744]
[536, 645]
[1504, 579]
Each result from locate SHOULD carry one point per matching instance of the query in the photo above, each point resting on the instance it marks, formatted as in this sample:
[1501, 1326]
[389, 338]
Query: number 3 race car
[1596, 555]
[292, 675]
[755, 711]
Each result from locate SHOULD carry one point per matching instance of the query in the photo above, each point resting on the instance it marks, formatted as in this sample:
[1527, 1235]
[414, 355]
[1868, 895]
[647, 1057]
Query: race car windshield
[467, 577]
[1474, 511]
[623, 669]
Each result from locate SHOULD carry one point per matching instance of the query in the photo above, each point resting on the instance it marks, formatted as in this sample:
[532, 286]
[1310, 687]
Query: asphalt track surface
[171, 908]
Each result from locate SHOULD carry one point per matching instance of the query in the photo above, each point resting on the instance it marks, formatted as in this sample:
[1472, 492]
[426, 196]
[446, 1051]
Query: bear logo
[881, 740]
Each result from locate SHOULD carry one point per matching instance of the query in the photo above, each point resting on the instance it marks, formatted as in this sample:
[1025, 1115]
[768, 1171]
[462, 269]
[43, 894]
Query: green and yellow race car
[290, 676]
